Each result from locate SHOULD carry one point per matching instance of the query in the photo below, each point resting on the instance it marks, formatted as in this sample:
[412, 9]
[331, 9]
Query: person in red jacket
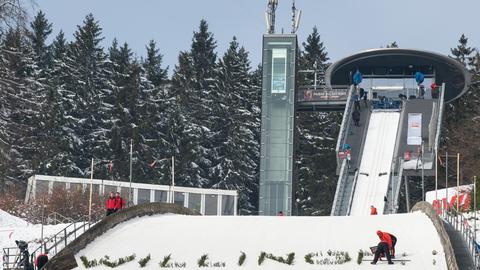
[383, 247]
[373, 210]
[119, 202]
[394, 242]
[110, 204]
[41, 260]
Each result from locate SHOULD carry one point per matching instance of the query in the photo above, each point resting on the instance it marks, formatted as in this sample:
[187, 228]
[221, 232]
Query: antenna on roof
[270, 16]
[296, 14]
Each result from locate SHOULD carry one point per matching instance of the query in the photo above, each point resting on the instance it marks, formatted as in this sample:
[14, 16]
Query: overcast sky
[346, 26]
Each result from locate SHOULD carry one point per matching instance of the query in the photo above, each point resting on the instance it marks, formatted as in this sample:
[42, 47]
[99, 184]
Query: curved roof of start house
[402, 61]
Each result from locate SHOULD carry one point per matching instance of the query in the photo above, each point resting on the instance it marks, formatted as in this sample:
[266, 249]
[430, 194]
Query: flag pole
[458, 177]
[90, 199]
[173, 179]
[446, 180]
[130, 188]
[436, 178]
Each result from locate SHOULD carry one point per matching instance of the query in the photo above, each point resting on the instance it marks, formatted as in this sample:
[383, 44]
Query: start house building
[205, 201]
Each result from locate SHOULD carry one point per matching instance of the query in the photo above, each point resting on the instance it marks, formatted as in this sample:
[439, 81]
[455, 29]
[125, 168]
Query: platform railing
[460, 223]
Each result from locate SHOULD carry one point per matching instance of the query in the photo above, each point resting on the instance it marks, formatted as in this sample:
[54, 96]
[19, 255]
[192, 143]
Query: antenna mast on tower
[296, 14]
[270, 16]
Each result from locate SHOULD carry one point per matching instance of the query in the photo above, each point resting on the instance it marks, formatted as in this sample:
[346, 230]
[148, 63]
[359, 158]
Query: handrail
[399, 184]
[460, 224]
[345, 122]
[55, 214]
[339, 187]
[354, 186]
[440, 116]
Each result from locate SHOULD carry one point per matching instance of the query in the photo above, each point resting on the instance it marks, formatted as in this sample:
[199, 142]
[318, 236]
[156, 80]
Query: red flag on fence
[153, 163]
[110, 167]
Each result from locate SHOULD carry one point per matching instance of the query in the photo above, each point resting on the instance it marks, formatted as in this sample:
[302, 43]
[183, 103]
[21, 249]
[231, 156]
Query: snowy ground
[13, 228]
[187, 238]
[374, 172]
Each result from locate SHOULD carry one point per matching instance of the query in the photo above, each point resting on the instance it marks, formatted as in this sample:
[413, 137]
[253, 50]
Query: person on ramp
[394, 242]
[373, 210]
[383, 247]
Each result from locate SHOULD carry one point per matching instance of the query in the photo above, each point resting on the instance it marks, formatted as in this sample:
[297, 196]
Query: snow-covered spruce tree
[317, 134]
[152, 65]
[462, 114]
[38, 34]
[22, 95]
[184, 134]
[89, 83]
[235, 165]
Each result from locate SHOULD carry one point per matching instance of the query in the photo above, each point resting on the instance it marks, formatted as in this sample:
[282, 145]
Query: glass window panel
[59, 185]
[75, 187]
[143, 196]
[160, 195]
[279, 70]
[210, 204]
[194, 201]
[109, 189]
[179, 198]
[41, 187]
[227, 205]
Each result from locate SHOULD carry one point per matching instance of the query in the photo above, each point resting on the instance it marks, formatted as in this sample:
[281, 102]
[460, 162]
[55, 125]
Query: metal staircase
[52, 245]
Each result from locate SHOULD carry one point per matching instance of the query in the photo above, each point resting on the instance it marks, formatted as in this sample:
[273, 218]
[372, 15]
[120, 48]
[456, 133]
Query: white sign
[414, 133]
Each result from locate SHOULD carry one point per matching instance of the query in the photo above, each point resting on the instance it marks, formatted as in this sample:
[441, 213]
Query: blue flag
[357, 77]
[419, 77]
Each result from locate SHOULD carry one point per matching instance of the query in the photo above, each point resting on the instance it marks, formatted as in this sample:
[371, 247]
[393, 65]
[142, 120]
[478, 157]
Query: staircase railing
[340, 185]
[460, 223]
[345, 126]
[52, 245]
[441, 107]
[352, 192]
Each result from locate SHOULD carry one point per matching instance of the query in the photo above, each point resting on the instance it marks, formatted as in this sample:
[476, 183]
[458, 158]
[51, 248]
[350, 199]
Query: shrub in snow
[106, 261]
[434, 252]
[289, 260]
[434, 262]
[202, 262]
[143, 262]
[261, 258]
[242, 258]
[309, 256]
[360, 256]
[179, 264]
[166, 260]
[87, 263]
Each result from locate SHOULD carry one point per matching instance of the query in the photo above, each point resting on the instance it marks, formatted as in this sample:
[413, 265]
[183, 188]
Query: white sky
[346, 26]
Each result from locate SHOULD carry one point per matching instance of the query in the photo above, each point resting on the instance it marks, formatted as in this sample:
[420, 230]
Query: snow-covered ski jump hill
[315, 242]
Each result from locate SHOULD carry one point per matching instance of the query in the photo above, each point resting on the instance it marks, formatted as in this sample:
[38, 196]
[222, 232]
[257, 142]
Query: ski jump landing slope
[223, 239]
[374, 171]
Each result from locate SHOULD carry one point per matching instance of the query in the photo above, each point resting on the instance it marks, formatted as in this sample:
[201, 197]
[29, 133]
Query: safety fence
[462, 225]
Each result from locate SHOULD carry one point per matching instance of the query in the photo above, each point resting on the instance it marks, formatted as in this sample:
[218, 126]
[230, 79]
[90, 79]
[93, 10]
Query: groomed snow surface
[187, 238]
[374, 172]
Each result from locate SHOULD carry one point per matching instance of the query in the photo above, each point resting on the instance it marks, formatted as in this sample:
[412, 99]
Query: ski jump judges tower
[394, 109]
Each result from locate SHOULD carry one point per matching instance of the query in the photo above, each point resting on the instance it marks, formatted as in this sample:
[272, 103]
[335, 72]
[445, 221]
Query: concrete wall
[65, 259]
[444, 238]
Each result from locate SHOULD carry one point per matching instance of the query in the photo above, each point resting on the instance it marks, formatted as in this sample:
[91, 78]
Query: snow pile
[7, 220]
[223, 239]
